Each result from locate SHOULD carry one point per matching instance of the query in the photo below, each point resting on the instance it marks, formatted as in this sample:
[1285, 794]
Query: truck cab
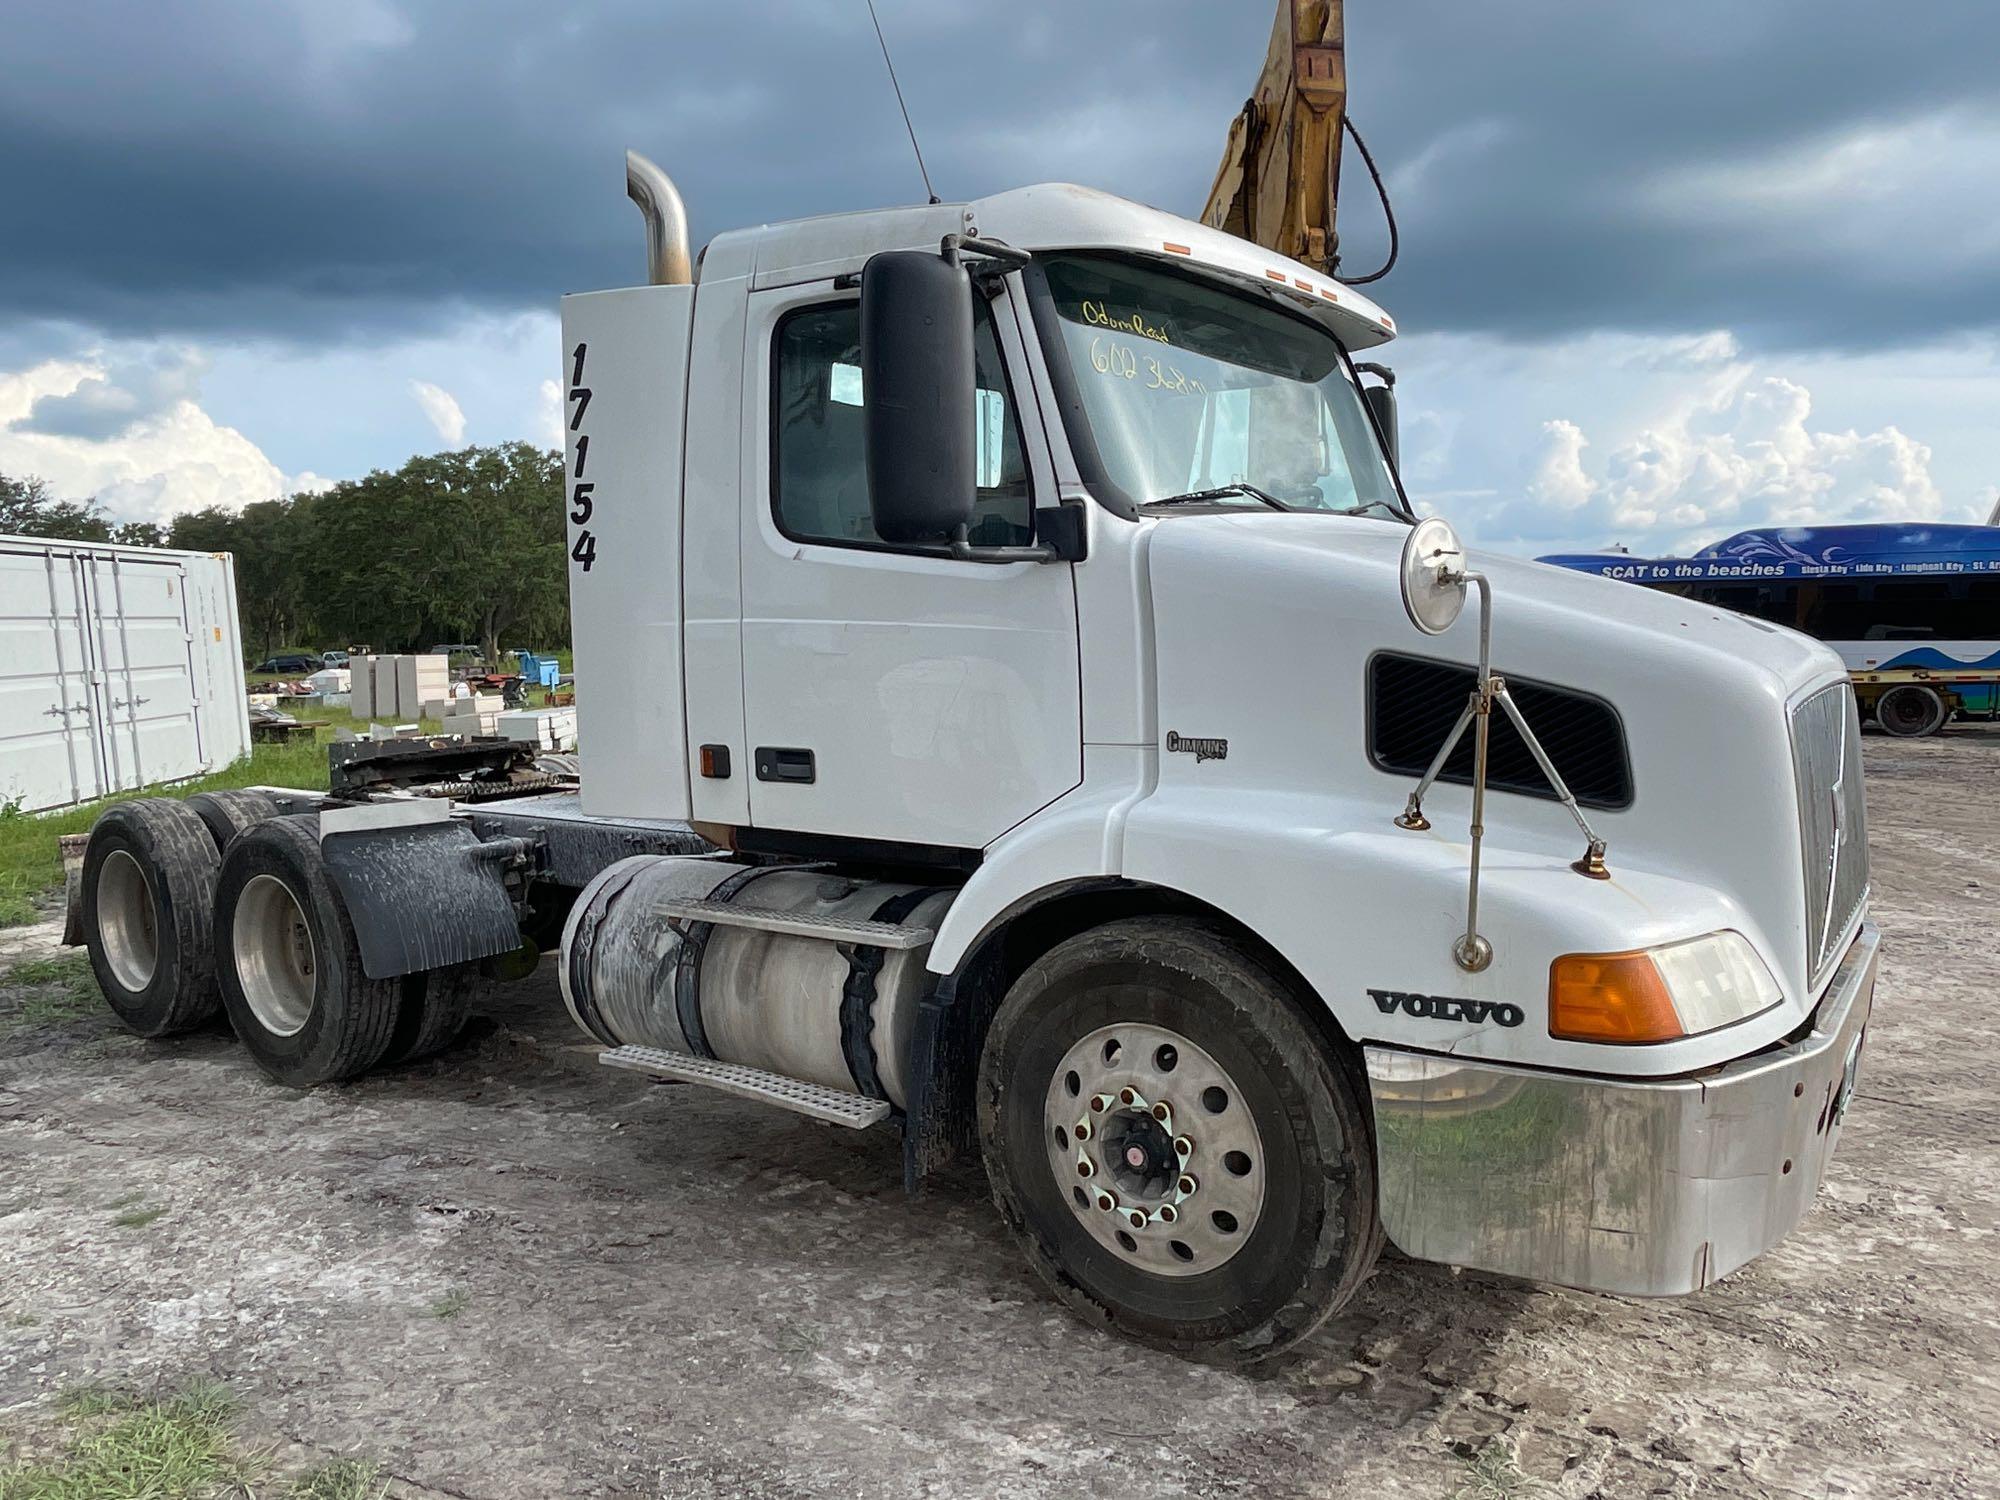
[1066, 574]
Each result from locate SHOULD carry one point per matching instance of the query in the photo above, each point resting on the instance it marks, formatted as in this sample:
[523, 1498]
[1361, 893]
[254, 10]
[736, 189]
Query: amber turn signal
[1610, 997]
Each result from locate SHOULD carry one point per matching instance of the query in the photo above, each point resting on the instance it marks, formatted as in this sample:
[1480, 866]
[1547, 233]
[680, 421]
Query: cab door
[891, 695]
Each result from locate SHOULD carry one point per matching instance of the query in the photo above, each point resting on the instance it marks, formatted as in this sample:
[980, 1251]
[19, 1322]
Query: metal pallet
[799, 924]
[834, 1106]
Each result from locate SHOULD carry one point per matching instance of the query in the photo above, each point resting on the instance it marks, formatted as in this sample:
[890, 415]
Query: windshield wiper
[1223, 492]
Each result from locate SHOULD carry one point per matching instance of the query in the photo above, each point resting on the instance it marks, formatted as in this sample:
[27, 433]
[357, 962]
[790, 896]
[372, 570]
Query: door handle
[785, 763]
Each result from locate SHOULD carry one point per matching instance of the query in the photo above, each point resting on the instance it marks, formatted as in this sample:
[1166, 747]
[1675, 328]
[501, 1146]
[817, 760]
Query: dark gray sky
[342, 169]
[328, 227]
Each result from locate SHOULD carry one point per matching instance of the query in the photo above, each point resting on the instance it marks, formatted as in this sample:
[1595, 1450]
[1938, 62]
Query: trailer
[1076, 757]
[1912, 607]
[120, 668]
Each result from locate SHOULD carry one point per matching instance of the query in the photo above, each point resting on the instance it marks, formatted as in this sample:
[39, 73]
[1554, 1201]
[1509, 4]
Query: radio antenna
[898, 87]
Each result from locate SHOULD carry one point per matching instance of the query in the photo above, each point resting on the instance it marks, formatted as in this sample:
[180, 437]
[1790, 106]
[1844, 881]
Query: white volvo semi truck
[1070, 752]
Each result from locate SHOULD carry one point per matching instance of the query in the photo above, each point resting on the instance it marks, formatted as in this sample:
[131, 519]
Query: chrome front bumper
[1645, 1187]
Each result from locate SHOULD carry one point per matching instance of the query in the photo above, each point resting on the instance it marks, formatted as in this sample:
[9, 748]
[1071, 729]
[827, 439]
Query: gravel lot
[511, 1273]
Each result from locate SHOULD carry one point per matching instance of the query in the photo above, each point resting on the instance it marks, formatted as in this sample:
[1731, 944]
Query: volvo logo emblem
[1446, 1008]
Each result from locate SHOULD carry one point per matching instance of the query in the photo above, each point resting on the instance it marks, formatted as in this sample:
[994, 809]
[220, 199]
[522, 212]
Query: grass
[1492, 1474]
[451, 1304]
[138, 1218]
[120, 1447]
[343, 1479]
[63, 989]
[31, 862]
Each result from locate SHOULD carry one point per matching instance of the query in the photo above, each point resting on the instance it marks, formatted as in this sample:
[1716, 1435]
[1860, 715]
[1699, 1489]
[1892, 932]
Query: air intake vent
[1833, 824]
[1413, 702]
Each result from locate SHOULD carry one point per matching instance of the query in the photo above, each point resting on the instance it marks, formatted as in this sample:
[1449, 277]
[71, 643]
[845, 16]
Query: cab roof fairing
[1046, 217]
[1062, 216]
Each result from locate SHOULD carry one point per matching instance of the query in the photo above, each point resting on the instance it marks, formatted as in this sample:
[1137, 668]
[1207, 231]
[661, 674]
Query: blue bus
[1907, 605]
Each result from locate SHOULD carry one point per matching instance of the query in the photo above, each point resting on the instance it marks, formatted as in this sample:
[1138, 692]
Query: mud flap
[941, 1123]
[423, 897]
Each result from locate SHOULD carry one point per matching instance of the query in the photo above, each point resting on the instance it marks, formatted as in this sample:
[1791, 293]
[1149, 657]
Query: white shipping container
[120, 668]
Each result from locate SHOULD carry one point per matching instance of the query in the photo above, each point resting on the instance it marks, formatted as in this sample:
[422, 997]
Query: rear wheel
[148, 887]
[289, 965]
[1910, 712]
[433, 1010]
[227, 814]
[1172, 1145]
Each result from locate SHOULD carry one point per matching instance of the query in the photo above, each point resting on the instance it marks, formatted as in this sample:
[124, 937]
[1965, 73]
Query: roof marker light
[1172, 249]
[1304, 286]
[1330, 296]
[1277, 276]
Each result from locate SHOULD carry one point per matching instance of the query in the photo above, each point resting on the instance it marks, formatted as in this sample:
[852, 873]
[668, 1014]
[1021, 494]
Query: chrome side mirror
[1433, 576]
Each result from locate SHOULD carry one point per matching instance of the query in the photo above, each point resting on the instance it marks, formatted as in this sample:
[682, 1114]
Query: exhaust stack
[667, 259]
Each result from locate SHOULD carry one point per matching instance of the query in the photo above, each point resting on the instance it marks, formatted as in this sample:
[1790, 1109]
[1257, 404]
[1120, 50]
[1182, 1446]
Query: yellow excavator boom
[1279, 182]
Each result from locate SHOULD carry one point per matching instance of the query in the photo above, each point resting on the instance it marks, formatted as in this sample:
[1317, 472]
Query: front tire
[1173, 1146]
[290, 968]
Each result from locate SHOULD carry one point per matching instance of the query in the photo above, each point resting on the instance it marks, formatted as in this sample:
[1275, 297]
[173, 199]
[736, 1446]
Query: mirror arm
[964, 551]
[998, 258]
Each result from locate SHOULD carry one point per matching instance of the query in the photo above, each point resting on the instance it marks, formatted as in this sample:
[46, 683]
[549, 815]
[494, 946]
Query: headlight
[1658, 994]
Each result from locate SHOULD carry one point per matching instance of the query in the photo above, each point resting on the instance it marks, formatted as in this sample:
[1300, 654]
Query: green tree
[27, 508]
[139, 534]
[270, 540]
[467, 544]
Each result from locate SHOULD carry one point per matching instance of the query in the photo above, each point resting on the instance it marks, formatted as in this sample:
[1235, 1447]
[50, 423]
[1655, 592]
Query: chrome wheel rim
[1154, 1149]
[126, 925]
[272, 946]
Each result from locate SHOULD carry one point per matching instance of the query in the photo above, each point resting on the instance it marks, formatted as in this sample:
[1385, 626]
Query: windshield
[1191, 388]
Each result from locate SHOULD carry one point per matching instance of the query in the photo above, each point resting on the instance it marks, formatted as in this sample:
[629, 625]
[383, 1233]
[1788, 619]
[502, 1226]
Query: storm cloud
[1808, 175]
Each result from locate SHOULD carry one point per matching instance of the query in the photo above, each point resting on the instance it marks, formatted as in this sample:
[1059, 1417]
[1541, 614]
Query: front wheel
[1173, 1146]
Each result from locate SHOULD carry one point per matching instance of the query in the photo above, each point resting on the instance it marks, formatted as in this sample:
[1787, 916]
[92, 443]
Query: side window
[818, 469]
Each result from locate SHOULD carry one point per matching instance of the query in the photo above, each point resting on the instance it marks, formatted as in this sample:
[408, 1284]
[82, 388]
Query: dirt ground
[511, 1273]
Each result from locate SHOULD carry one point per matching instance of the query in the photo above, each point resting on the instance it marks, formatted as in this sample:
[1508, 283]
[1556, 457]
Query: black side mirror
[1381, 401]
[918, 392]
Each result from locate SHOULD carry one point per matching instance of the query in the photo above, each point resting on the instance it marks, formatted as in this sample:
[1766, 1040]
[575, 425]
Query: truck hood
[1265, 625]
[1540, 611]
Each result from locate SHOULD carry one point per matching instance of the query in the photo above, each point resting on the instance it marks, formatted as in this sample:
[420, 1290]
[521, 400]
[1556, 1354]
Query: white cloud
[1664, 443]
[1560, 481]
[169, 457]
[549, 415]
[1739, 449]
[442, 408]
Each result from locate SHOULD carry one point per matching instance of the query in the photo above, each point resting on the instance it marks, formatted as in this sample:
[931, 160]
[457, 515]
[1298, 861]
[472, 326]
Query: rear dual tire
[226, 814]
[148, 888]
[289, 965]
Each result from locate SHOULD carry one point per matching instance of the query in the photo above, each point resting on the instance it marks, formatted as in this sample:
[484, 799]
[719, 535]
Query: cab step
[799, 924]
[834, 1106]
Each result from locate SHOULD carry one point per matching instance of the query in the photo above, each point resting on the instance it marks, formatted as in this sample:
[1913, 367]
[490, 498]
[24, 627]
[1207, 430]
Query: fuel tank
[813, 1008]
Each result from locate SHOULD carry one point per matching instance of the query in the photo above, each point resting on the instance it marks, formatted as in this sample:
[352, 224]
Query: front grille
[1833, 821]
[1413, 702]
